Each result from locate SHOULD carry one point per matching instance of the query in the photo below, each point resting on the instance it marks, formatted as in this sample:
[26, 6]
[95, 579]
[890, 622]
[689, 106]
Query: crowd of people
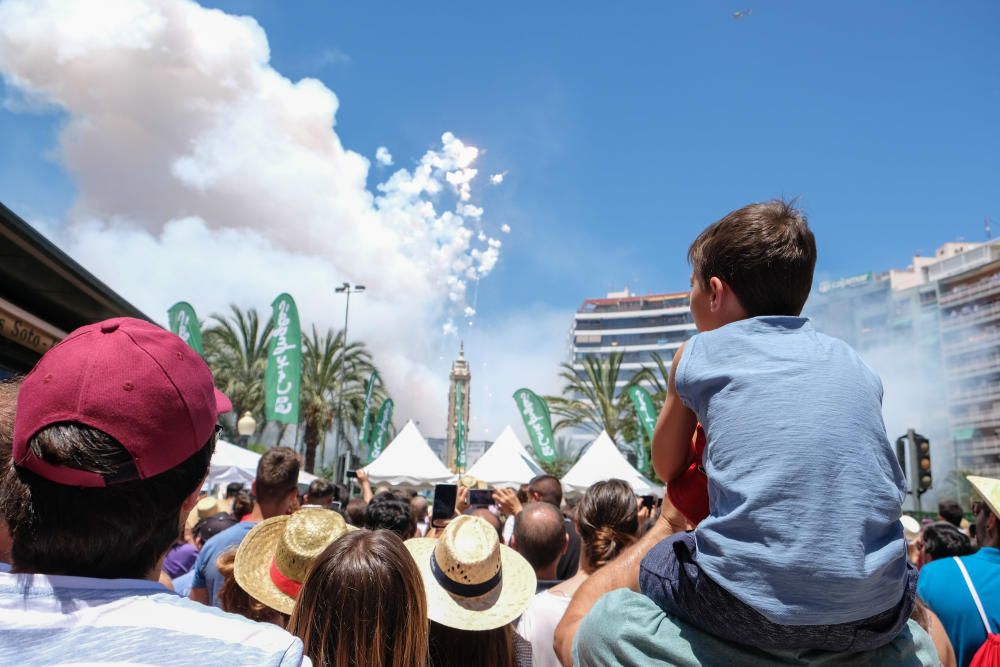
[116, 553]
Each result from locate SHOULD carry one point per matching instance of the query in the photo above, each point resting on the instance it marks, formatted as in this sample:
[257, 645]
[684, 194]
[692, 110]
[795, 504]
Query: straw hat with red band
[472, 581]
[131, 379]
[275, 556]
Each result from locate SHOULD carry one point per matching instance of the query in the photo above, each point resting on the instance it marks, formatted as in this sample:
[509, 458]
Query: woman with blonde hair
[363, 605]
[607, 519]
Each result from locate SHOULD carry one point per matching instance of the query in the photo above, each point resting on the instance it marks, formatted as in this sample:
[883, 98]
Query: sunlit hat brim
[495, 609]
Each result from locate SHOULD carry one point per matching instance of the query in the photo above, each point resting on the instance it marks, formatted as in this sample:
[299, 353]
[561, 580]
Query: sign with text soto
[283, 377]
[184, 323]
[366, 422]
[537, 420]
[26, 329]
[381, 431]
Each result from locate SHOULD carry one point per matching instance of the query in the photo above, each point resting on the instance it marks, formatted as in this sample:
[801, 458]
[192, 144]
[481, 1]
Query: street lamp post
[346, 289]
[246, 427]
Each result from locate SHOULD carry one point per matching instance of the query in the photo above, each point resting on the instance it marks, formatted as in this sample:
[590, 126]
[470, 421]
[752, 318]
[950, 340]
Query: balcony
[987, 338]
[977, 419]
[980, 288]
[980, 367]
[988, 393]
[972, 317]
[978, 447]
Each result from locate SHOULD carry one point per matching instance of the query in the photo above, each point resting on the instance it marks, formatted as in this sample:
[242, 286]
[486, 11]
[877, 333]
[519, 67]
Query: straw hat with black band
[472, 581]
[275, 556]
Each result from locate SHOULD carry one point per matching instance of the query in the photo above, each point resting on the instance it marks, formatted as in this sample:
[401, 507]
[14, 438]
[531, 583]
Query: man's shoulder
[627, 628]
[942, 569]
[128, 621]
[227, 538]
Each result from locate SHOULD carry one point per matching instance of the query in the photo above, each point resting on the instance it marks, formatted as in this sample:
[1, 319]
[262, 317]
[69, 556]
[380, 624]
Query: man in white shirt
[113, 434]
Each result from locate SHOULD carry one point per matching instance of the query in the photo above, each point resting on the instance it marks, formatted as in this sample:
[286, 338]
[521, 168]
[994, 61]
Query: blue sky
[627, 128]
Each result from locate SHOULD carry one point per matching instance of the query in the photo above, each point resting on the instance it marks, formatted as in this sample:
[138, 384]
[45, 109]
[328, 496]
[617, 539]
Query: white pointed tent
[235, 464]
[409, 462]
[505, 463]
[601, 461]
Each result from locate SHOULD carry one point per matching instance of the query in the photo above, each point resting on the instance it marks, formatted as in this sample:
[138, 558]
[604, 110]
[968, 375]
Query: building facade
[638, 326]
[932, 331]
[969, 299]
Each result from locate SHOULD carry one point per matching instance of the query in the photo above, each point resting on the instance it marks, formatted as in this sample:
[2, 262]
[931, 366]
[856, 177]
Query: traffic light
[922, 452]
[901, 452]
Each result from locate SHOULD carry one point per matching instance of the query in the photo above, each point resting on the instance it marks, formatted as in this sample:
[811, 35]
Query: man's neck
[263, 511]
[547, 573]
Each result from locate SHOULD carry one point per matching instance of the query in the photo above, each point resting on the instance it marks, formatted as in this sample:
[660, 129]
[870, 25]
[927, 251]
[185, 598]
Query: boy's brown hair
[765, 252]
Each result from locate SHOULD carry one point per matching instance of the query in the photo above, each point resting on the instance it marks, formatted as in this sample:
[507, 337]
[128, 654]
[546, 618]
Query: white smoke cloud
[505, 228]
[204, 174]
[497, 179]
[383, 156]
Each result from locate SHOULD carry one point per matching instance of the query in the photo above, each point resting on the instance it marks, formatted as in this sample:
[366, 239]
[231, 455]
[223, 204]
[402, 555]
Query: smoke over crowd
[203, 174]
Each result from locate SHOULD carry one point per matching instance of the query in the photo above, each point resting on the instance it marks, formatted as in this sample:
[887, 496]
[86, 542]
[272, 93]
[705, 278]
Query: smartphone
[444, 504]
[352, 474]
[649, 502]
[335, 505]
[480, 497]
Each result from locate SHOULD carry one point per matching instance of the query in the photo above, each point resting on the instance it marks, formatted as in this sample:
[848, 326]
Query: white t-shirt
[538, 625]
[57, 620]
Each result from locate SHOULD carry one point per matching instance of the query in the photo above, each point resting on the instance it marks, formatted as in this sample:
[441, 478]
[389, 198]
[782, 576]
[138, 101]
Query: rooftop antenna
[989, 231]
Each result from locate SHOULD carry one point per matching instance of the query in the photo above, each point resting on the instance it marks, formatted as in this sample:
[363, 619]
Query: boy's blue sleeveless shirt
[805, 490]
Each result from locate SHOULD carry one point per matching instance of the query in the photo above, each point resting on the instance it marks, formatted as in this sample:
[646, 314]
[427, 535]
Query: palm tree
[323, 357]
[657, 378]
[593, 402]
[236, 351]
[567, 454]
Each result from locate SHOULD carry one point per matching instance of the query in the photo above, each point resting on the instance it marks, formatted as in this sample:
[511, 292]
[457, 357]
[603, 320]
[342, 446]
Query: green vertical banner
[537, 420]
[381, 430]
[645, 410]
[459, 429]
[366, 422]
[283, 377]
[184, 323]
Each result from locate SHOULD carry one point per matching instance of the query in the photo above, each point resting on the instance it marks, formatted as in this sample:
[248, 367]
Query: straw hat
[989, 489]
[473, 582]
[275, 556]
[206, 507]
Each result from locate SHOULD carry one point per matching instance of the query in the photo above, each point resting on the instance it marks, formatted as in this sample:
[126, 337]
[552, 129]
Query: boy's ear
[717, 292]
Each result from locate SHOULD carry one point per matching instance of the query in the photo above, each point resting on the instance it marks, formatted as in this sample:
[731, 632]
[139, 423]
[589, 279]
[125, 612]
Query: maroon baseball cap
[129, 378]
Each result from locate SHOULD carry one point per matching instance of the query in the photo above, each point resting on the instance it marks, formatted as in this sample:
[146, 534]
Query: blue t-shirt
[182, 584]
[804, 488]
[206, 574]
[943, 588]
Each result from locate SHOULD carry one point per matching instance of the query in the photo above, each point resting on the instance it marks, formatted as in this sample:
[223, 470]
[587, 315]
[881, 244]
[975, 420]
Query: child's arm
[672, 452]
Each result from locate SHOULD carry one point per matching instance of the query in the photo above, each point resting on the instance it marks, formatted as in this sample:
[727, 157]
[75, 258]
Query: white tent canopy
[409, 462]
[602, 461]
[505, 463]
[235, 464]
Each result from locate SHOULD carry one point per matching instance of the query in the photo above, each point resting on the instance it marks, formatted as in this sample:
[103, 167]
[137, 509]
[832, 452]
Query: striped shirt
[59, 620]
